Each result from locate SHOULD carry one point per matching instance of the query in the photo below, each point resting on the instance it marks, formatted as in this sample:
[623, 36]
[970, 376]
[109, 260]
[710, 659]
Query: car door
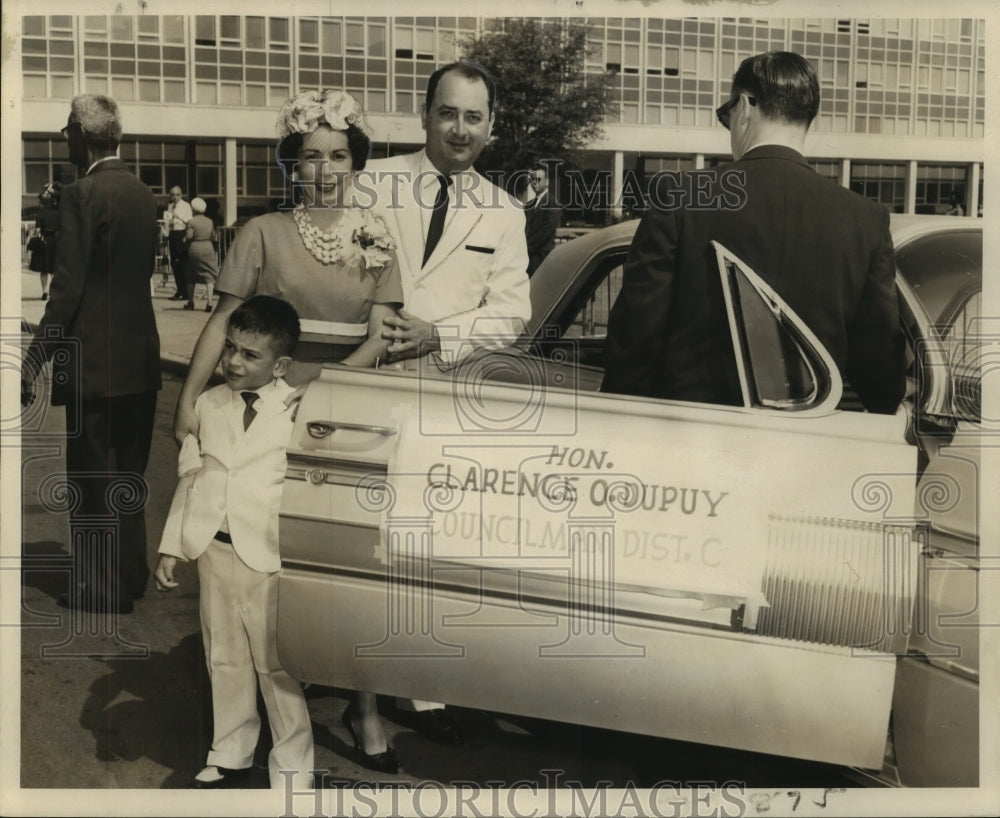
[740, 576]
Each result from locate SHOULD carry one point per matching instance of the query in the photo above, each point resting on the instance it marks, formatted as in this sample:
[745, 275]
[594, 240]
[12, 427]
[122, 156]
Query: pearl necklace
[326, 247]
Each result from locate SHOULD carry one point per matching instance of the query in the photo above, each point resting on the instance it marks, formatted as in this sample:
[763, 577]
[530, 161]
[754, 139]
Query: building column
[845, 173]
[617, 185]
[972, 190]
[910, 188]
[229, 185]
[699, 161]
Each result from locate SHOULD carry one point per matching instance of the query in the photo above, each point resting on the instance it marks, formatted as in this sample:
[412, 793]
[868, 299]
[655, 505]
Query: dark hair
[471, 71]
[270, 316]
[783, 83]
[358, 143]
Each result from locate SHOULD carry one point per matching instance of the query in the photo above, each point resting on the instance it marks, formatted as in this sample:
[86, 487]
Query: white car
[792, 576]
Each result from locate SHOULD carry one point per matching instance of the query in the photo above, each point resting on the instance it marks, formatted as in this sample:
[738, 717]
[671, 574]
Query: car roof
[556, 272]
[907, 226]
[942, 262]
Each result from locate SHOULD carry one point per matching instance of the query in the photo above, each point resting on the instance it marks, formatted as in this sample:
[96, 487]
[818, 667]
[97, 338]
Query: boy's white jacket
[241, 477]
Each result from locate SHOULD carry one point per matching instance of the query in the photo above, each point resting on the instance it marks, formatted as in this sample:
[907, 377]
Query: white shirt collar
[429, 187]
[262, 391]
[428, 174]
[102, 159]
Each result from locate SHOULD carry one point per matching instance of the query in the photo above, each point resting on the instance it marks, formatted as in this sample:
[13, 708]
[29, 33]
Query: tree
[548, 107]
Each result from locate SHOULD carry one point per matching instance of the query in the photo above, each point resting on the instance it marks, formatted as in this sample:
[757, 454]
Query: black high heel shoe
[384, 762]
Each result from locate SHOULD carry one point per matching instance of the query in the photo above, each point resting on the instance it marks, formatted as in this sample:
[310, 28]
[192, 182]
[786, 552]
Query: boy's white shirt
[238, 480]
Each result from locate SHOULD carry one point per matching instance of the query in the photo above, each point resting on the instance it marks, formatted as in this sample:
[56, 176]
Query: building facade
[901, 119]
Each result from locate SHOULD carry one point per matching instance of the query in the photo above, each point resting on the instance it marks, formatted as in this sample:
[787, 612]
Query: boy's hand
[164, 574]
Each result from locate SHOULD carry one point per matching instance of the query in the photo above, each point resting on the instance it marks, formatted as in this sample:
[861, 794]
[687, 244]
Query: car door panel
[473, 620]
[691, 684]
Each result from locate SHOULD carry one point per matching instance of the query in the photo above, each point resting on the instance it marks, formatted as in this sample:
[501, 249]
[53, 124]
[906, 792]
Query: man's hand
[185, 423]
[27, 390]
[164, 574]
[409, 336]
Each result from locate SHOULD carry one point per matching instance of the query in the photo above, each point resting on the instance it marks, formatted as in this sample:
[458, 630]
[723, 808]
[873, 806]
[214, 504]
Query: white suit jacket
[474, 287]
[241, 478]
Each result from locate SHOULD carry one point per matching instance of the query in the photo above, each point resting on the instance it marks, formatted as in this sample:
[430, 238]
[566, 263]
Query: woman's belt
[333, 328]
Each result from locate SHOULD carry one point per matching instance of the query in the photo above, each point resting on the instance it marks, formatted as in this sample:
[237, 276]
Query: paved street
[131, 708]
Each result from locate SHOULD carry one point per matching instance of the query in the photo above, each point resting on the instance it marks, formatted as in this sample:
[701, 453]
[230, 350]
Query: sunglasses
[723, 112]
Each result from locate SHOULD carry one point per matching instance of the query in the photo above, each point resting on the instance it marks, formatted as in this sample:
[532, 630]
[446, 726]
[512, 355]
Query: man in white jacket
[462, 251]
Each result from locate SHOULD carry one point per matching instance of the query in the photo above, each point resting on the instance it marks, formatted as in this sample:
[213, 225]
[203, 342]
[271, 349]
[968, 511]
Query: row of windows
[197, 168]
[261, 32]
[877, 63]
[261, 61]
[933, 193]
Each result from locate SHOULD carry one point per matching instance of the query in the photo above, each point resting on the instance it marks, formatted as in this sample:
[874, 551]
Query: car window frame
[828, 384]
[571, 300]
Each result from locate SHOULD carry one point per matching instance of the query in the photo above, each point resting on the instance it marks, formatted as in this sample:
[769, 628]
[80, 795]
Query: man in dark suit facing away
[825, 250]
[100, 320]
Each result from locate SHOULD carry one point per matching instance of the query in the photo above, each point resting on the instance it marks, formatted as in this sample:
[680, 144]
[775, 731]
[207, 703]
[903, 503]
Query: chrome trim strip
[482, 593]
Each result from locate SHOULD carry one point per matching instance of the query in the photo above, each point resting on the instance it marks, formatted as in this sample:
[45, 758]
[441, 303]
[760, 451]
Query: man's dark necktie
[249, 413]
[436, 227]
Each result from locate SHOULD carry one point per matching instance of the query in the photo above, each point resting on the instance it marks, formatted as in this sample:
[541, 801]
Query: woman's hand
[294, 399]
[185, 423]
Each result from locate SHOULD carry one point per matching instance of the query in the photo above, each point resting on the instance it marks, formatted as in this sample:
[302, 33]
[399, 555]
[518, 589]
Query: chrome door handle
[322, 429]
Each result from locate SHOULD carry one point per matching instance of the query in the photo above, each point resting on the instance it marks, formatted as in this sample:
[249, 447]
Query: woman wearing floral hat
[331, 260]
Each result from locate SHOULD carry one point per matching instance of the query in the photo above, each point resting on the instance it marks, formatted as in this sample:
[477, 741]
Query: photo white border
[870, 802]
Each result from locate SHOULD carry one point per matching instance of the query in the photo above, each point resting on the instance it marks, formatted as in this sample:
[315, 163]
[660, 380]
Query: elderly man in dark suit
[825, 250]
[107, 373]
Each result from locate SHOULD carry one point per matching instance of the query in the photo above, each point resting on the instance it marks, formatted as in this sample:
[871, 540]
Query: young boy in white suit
[225, 515]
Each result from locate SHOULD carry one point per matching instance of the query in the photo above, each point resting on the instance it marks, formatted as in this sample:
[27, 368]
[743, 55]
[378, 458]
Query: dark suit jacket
[541, 220]
[99, 296]
[825, 250]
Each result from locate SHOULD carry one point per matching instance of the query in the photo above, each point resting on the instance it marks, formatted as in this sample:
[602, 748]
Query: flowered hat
[305, 112]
